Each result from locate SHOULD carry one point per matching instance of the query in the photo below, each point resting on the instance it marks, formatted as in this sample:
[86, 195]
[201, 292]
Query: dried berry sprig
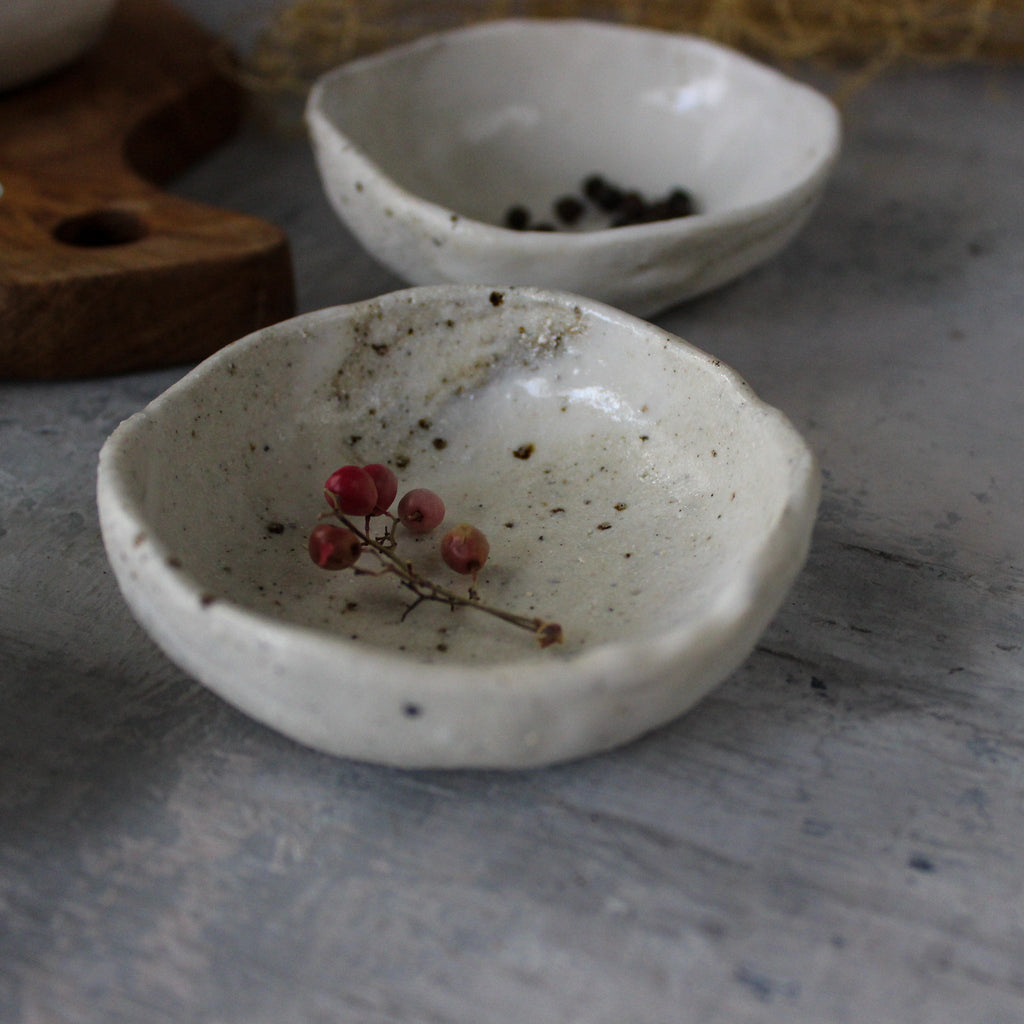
[425, 589]
[464, 548]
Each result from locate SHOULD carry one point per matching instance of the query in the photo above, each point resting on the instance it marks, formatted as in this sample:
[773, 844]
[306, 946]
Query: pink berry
[387, 486]
[351, 491]
[465, 549]
[334, 547]
[420, 510]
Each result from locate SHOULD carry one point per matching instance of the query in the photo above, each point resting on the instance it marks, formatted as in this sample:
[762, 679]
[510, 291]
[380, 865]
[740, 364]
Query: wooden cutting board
[100, 270]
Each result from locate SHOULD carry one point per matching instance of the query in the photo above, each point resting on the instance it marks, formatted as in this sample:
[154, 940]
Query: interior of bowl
[628, 483]
[480, 119]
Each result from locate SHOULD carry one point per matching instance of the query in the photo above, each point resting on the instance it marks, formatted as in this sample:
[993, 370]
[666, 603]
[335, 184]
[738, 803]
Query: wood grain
[101, 271]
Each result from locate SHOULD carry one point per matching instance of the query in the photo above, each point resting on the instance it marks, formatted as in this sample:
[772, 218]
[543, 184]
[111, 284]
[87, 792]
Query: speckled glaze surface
[631, 487]
[423, 149]
[39, 36]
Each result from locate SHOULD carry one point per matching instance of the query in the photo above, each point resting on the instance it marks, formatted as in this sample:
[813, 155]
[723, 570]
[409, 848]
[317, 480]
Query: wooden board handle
[100, 270]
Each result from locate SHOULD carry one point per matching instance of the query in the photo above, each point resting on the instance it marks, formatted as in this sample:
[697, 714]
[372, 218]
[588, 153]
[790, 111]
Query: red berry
[334, 547]
[351, 491]
[387, 486]
[465, 549]
[420, 510]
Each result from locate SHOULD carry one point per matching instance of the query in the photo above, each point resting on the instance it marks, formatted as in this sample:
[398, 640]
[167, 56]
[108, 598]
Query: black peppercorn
[602, 193]
[680, 203]
[568, 209]
[517, 218]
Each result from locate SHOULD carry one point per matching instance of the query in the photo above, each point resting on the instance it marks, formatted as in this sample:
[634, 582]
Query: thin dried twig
[546, 633]
[307, 37]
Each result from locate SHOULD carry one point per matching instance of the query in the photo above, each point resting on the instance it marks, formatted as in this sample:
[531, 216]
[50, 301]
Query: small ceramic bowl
[424, 149]
[632, 489]
[40, 36]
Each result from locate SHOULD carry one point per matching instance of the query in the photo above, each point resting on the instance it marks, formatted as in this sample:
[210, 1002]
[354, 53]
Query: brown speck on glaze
[524, 451]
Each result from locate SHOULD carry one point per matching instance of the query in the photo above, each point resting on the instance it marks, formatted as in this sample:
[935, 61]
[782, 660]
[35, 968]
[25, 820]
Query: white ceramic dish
[422, 150]
[39, 36]
[661, 515]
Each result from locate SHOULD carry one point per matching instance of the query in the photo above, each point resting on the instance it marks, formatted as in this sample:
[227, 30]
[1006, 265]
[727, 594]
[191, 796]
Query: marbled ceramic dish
[424, 148]
[632, 488]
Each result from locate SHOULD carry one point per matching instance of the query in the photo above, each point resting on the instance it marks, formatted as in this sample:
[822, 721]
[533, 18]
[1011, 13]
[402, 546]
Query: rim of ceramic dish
[762, 579]
[438, 216]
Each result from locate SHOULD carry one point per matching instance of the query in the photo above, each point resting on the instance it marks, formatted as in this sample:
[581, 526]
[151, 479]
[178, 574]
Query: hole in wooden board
[100, 228]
